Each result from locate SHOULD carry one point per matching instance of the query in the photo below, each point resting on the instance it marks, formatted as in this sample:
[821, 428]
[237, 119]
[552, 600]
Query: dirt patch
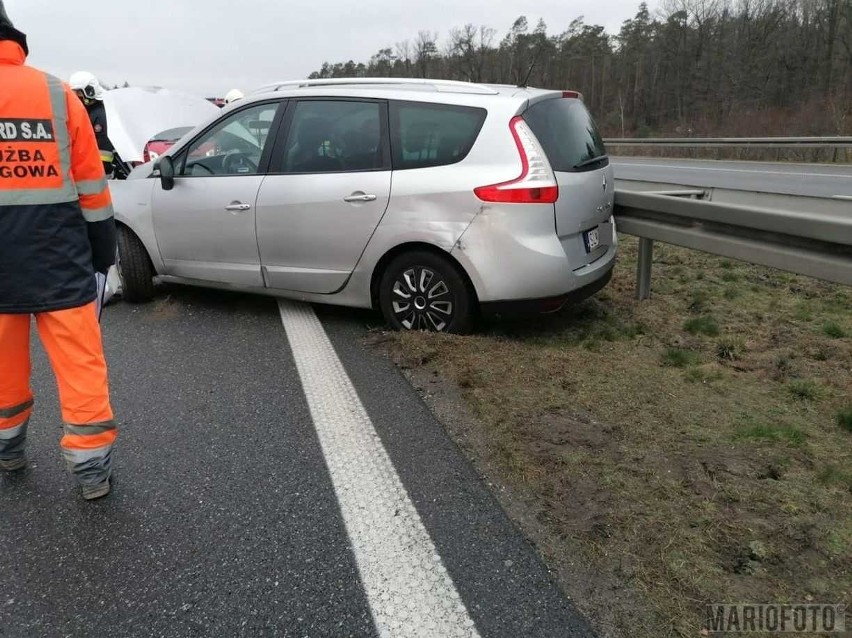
[666, 454]
[165, 308]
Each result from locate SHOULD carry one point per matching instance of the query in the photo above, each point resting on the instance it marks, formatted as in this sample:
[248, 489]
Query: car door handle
[237, 206]
[360, 197]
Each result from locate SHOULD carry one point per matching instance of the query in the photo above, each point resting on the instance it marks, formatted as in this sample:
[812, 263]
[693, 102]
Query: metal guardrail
[741, 142]
[806, 243]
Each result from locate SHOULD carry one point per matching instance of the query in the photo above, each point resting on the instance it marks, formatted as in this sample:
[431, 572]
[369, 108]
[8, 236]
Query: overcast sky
[209, 46]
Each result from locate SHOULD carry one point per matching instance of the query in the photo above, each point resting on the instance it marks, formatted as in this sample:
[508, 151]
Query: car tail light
[572, 94]
[536, 185]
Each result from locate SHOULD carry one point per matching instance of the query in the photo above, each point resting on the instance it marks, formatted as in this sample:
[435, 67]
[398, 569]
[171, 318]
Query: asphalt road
[225, 518]
[815, 180]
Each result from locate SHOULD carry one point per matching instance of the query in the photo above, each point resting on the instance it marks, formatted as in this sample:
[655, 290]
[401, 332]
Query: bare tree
[404, 56]
[425, 49]
[468, 47]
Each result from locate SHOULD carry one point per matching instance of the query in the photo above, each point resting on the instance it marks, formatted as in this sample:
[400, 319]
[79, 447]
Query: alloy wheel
[422, 300]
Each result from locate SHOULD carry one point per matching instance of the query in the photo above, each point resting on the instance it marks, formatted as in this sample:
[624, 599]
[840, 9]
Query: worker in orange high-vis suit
[56, 231]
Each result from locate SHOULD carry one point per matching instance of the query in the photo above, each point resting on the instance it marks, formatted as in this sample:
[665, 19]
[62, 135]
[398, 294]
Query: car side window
[425, 135]
[331, 136]
[233, 147]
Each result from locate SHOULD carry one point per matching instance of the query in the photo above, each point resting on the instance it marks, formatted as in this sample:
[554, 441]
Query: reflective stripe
[58, 101]
[92, 186]
[98, 214]
[91, 429]
[81, 456]
[107, 156]
[36, 196]
[15, 410]
[92, 468]
[10, 433]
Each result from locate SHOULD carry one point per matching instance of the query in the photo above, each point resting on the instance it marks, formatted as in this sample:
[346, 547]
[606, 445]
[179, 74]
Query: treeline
[697, 68]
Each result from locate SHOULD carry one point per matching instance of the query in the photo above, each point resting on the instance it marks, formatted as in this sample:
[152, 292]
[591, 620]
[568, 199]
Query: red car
[162, 142]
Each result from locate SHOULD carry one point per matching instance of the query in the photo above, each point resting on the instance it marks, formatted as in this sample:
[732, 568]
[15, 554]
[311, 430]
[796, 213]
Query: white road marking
[728, 170]
[408, 588]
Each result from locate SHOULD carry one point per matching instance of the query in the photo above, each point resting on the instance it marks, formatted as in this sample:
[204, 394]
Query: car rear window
[568, 134]
[426, 135]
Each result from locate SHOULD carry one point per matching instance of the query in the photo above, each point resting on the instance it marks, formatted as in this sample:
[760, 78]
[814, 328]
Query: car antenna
[523, 84]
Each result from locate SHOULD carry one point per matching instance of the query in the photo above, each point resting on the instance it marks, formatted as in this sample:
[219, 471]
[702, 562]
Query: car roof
[416, 89]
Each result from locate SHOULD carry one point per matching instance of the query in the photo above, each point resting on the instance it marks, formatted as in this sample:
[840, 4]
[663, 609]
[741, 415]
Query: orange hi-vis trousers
[72, 339]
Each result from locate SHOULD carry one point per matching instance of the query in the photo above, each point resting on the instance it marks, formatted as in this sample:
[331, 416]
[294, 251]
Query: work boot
[13, 465]
[92, 492]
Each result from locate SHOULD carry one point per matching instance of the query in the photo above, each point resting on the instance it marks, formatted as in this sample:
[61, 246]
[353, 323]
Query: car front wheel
[420, 290]
[134, 267]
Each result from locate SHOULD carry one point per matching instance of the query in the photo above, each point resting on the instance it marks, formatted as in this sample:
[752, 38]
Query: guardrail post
[643, 270]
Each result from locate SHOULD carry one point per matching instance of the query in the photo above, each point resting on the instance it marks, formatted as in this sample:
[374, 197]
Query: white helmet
[87, 84]
[233, 95]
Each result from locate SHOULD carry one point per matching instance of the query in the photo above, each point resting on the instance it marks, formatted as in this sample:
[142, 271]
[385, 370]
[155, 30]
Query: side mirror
[166, 166]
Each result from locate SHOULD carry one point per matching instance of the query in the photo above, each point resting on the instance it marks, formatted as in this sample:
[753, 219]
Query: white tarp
[136, 114]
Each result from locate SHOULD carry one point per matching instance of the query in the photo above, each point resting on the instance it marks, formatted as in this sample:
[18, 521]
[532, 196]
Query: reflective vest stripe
[97, 214]
[58, 97]
[107, 156]
[35, 196]
[92, 186]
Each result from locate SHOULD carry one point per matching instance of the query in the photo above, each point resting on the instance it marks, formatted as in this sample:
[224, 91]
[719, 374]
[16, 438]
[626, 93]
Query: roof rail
[443, 86]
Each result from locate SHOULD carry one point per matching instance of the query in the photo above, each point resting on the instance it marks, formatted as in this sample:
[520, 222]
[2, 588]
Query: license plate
[592, 239]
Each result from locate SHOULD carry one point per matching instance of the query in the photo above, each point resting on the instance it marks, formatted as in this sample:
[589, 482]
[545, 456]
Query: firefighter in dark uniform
[89, 90]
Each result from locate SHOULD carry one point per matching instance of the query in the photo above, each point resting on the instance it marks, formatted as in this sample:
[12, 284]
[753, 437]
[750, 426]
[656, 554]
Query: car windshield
[235, 145]
[248, 130]
[242, 135]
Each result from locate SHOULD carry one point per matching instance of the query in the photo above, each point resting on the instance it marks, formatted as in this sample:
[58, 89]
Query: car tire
[420, 290]
[134, 267]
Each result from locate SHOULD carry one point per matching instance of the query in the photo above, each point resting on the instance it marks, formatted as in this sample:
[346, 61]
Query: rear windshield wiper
[591, 160]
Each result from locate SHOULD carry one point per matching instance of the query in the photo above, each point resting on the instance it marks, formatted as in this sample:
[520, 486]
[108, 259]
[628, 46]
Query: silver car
[434, 201]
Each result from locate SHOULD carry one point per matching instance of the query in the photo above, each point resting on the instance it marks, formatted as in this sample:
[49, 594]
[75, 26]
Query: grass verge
[661, 445]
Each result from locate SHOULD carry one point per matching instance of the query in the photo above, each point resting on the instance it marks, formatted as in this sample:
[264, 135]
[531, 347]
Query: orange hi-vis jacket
[56, 216]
